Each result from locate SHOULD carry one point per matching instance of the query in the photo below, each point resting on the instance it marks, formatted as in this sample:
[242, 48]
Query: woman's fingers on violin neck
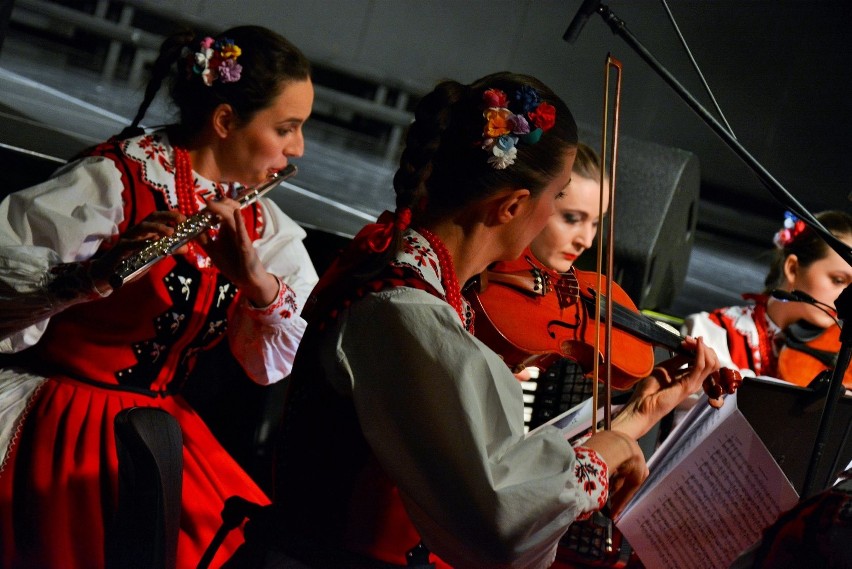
[719, 382]
[705, 361]
[662, 375]
[676, 363]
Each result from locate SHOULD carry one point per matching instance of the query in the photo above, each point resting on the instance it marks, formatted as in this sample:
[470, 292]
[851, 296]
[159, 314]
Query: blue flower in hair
[527, 99]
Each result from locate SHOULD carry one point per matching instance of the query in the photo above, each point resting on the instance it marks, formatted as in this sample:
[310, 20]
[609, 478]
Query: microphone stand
[844, 303]
[835, 390]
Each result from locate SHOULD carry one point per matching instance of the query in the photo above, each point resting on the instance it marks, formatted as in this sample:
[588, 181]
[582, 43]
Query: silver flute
[188, 230]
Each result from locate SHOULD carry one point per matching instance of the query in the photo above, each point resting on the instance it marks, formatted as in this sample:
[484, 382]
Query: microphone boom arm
[775, 188]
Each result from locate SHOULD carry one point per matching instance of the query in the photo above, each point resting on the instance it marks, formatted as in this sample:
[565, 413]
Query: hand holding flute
[166, 233]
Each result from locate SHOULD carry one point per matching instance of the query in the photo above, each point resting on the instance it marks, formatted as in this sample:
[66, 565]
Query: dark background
[779, 70]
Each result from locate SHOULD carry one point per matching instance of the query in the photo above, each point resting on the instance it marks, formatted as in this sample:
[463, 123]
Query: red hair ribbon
[376, 237]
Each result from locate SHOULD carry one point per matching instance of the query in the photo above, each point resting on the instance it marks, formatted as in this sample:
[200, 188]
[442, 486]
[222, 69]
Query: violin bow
[610, 64]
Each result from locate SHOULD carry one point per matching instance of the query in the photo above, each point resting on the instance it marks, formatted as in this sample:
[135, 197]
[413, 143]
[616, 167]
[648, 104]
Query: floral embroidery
[157, 350]
[223, 289]
[153, 149]
[592, 476]
[420, 256]
[177, 318]
[285, 305]
[417, 254]
[214, 329]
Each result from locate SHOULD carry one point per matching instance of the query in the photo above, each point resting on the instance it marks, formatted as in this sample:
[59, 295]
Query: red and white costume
[79, 358]
[743, 337]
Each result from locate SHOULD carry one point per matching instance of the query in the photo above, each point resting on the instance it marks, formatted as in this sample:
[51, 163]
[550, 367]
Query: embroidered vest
[145, 336]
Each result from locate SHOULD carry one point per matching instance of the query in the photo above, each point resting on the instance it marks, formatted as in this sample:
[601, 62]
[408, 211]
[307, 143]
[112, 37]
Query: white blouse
[444, 416]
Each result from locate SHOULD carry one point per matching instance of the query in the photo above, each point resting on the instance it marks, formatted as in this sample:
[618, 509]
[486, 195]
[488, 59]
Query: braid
[424, 139]
[170, 53]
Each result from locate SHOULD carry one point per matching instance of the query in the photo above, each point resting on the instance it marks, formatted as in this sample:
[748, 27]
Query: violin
[808, 352]
[532, 316]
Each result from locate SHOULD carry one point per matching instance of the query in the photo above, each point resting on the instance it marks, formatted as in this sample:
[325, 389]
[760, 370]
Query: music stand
[786, 417]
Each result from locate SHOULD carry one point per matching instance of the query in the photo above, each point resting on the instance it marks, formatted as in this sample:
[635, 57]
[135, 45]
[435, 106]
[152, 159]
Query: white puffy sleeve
[264, 340]
[700, 324]
[43, 229]
[444, 416]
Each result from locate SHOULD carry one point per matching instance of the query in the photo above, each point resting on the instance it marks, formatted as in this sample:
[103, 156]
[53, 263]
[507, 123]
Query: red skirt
[59, 483]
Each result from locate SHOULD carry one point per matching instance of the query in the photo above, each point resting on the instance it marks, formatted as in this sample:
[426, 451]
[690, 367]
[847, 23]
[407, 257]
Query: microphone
[576, 25]
[784, 295]
[801, 296]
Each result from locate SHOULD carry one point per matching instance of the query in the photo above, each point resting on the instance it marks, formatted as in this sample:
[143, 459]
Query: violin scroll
[716, 384]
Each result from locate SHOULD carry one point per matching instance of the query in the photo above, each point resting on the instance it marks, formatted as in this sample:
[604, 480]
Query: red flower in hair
[495, 98]
[544, 116]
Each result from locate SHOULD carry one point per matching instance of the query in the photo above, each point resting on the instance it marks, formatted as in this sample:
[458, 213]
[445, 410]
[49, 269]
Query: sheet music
[714, 486]
[576, 420]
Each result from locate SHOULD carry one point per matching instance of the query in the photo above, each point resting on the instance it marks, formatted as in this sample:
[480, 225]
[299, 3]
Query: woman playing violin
[539, 308]
[573, 226]
[750, 337]
[402, 442]
[569, 232]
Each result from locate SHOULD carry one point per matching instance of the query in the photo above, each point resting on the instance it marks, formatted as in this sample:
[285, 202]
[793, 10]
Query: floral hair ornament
[793, 227]
[377, 236]
[217, 59]
[523, 118]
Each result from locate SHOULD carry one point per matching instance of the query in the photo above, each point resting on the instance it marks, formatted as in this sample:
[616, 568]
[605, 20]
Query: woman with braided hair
[402, 442]
[81, 351]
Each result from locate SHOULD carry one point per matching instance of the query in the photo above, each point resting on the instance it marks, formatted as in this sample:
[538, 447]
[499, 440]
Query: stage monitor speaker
[656, 211]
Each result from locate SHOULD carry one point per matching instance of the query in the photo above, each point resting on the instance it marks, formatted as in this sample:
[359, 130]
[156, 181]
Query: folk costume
[79, 358]
[403, 434]
[744, 337]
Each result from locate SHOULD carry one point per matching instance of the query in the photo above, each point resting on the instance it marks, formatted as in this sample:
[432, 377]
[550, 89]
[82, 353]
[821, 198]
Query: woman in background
[749, 337]
[569, 232]
[573, 227]
[83, 351]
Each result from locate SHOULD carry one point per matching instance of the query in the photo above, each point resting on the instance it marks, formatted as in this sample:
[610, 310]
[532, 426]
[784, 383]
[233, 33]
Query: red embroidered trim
[391, 277]
[765, 362]
[285, 304]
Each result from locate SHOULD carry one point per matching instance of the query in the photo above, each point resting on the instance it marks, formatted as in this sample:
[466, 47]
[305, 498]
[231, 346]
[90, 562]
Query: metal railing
[146, 45]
